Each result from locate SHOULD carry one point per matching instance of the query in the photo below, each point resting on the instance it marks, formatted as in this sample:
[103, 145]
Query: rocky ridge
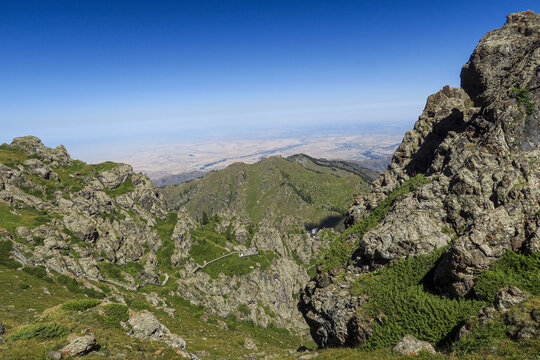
[104, 225]
[478, 149]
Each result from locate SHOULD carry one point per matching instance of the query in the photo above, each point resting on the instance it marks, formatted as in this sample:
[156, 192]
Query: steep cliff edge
[460, 192]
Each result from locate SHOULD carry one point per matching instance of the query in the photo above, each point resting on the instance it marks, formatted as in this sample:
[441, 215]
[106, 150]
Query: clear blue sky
[89, 73]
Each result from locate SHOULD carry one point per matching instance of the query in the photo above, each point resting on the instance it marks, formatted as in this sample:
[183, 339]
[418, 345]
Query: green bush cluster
[520, 270]
[5, 252]
[408, 306]
[40, 331]
[481, 336]
[80, 304]
[38, 271]
[114, 314]
[340, 251]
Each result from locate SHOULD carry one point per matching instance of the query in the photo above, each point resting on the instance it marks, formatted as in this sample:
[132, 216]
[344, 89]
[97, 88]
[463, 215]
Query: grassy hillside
[334, 167]
[273, 188]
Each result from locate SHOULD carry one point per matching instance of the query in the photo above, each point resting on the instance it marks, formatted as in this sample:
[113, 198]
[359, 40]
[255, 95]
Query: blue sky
[95, 73]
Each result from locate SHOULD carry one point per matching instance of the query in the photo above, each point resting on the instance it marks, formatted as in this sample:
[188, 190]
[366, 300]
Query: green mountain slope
[333, 167]
[274, 189]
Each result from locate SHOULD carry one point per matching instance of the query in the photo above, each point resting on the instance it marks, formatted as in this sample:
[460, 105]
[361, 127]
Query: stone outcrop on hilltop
[478, 147]
[86, 214]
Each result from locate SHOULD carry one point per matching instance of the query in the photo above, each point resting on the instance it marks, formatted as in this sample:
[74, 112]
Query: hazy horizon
[106, 77]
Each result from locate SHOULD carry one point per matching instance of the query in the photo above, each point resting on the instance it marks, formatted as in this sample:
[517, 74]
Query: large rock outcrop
[478, 147]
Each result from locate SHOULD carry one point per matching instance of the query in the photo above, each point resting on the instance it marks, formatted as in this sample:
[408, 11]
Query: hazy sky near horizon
[98, 73]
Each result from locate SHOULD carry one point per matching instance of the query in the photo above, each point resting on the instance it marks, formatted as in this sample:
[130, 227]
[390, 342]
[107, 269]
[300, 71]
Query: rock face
[478, 147]
[411, 346]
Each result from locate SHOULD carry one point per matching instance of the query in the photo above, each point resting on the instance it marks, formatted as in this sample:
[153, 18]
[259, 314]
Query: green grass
[40, 331]
[28, 217]
[209, 245]
[73, 286]
[80, 304]
[165, 230]
[520, 270]
[39, 272]
[124, 188]
[408, 306]
[10, 156]
[340, 250]
[111, 270]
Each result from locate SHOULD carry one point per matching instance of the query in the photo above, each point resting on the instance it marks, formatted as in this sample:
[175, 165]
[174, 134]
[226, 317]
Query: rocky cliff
[463, 187]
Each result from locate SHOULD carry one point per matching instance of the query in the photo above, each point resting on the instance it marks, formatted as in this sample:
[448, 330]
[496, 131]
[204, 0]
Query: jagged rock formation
[84, 214]
[478, 147]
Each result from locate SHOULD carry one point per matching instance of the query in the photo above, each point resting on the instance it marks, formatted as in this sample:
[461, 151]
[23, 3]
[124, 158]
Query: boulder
[145, 325]
[249, 344]
[411, 346]
[509, 297]
[79, 345]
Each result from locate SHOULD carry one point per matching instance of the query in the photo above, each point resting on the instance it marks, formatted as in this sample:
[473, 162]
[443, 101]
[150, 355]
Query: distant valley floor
[176, 163]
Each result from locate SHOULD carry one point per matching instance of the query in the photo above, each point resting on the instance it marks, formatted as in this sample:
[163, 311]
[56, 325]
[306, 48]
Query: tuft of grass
[399, 292]
[114, 314]
[40, 331]
[481, 336]
[80, 304]
[520, 270]
[340, 250]
[523, 97]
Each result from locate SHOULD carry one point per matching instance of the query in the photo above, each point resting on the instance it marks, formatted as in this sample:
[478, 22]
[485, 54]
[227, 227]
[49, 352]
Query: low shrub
[40, 331]
[399, 293]
[520, 270]
[481, 336]
[5, 252]
[114, 314]
[80, 304]
[73, 286]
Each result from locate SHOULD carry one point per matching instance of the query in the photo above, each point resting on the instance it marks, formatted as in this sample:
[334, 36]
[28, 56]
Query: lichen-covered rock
[508, 298]
[411, 346]
[330, 312]
[79, 345]
[145, 325]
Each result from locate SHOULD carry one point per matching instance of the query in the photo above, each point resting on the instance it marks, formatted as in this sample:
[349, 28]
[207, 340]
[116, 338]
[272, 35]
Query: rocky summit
[462, 192]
